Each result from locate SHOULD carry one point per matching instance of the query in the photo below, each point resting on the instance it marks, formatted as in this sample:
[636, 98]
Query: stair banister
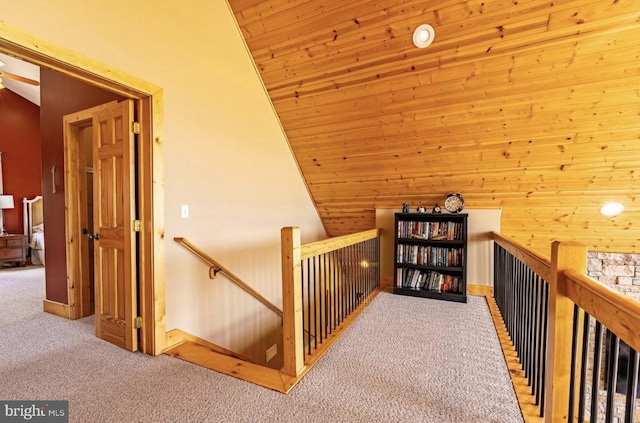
[216, 267]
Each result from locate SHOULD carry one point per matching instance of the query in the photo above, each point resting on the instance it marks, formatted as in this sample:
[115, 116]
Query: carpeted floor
[404, 360]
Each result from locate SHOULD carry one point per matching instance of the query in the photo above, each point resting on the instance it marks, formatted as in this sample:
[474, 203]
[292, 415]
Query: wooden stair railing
[198, 351]
[216, 267]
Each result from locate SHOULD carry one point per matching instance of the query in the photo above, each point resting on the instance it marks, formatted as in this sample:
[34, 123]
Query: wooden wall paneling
[529, 106]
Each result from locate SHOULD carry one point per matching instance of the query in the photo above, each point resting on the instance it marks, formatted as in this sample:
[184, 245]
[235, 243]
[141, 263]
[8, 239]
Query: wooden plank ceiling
[527, 105]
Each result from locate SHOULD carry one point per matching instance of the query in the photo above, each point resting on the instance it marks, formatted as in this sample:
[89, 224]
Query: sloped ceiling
[21, 68]
[527, 105]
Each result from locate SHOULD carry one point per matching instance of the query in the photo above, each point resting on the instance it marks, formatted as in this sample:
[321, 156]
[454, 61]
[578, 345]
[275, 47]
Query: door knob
[95, 236]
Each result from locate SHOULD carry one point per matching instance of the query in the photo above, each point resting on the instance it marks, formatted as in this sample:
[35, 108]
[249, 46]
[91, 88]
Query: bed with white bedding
[34, 228]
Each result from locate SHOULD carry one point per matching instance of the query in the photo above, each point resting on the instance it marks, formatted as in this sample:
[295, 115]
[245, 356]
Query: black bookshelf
[431, 255]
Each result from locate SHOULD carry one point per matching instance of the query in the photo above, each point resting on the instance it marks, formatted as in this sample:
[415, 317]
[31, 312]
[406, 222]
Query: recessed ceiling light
[611, 209]
[423, 36]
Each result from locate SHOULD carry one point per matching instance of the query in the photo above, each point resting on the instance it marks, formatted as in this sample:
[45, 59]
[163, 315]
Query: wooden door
[113, 217]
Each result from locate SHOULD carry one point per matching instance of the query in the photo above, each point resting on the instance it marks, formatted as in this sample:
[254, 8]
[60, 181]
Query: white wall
[481, 222]
[225, 153]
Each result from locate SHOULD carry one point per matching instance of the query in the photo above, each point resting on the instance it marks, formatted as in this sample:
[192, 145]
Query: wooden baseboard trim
[175, 337]
[57, 309]
[211, 357]
[527, 402]
[480, 290]
[198, 351]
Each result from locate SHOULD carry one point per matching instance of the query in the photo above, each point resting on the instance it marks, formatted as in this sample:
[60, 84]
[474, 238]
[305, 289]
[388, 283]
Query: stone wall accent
[620, 272]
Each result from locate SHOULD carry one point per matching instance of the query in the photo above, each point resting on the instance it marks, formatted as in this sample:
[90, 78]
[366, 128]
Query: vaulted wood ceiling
[527, 105]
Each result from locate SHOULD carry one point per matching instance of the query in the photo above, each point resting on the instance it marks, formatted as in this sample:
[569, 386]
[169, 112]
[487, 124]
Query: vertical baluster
[366, 270]
[595, 377]
[329, 283]
[503, 283]
[325, 299]
[317, 280]
[543, 351]
[336, 291]
[316, 323]
[352, 274]
[632, 386]
[378, 268]
[359, 272]
[586, 330]
[308, 296]
[575, 346]
[526, 353]
[311, 334]
[613, 344]
[518, 310]
[338, 276]
[536, 334]
[344, 279]
[304, 318]
[500, 276]
[348, 280]
[370, 269]
[509, 295]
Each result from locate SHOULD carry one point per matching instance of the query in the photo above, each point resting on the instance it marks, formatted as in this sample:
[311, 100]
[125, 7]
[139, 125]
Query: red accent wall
[21, 154]
[59, 96]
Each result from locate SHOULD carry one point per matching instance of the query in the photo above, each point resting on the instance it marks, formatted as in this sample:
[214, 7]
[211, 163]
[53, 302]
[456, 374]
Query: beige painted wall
[225, 153]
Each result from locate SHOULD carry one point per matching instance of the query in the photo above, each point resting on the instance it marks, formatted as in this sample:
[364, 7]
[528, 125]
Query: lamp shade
[6, 202]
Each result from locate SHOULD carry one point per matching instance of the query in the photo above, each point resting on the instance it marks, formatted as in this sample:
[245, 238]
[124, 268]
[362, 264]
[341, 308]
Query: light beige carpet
[404, 360]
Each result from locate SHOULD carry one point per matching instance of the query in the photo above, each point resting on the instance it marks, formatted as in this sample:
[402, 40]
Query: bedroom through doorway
[150, 317]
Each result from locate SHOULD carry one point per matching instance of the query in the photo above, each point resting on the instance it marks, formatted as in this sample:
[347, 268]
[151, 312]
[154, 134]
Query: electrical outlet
[184, 210]
[272, 352]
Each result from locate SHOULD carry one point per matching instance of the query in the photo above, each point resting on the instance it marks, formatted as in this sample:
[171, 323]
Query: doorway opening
[148, 101]
[105, 237]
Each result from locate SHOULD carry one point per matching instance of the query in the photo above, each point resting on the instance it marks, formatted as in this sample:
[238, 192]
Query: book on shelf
[428, 280]
[426, 255]
[436, 231]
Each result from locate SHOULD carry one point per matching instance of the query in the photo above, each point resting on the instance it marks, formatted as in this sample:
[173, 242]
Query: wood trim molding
[55, 308]
[480, 290]
[330, 244]
[152, 285]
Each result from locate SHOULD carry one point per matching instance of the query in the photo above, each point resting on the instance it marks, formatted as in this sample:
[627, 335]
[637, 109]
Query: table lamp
[6, 202]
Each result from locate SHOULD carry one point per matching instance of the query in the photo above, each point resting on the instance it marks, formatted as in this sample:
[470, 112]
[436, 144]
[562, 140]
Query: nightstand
[13, 248]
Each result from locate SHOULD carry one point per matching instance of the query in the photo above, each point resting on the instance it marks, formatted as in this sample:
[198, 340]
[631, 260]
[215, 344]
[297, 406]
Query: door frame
[152, 299]
[75, 200]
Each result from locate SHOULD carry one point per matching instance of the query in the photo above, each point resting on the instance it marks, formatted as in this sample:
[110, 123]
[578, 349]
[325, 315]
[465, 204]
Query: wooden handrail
[216, 267]
[317, 248]
[534, 261]
[616, 312]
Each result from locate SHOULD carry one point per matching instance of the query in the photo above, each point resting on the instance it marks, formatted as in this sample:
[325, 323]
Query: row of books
[430, 230]
[428, 280]
[426, 255]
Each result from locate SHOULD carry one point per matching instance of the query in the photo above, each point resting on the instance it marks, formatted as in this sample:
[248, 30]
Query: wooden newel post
[564, 256]
[293, 343]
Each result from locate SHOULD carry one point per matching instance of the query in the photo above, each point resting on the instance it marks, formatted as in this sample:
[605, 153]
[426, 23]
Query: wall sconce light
[423, 36]
[6, 202]
[611, 209]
